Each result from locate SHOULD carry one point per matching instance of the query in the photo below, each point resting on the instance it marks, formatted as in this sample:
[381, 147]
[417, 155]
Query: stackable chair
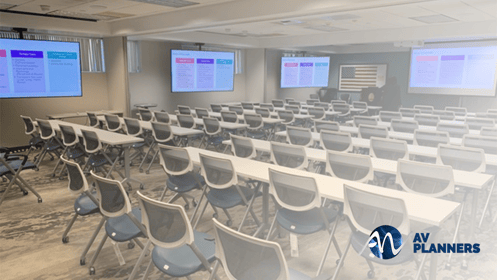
[184, 110]
[326, 125]
[358, 120]
[133, 128]
[268, 106]
[454, 130]
[230, 116]
[488, 131]
[366, 211]
[202, 113]
[390, 149]
[343, 109]
[216, 108]
[255, 127]
[277, 103]
[295, 103]
[122, 222]
[293, 108]
[424, 109]
[409, 112]
[12, 163]
[349, 166]
[224, 191]
[363, 106]
[427, 119]
[299, 136]
[407, 126]
[264, 112]
[289, 155]
[247, 106]
[145, 115]
[317, 113]
[74, 150]
[288, 100]
[113, 123]
[312, 101]
[444, 115]
[52, 143]
[479, 123]
[92, 119]
[162, 134]
[178, 249]
[237, 109]
[386, 116]
[187, 121]
[30, 129]
[345, 97]
[338, 101]
[246, 257]
[430, 138]
[487, 143]
[243, 147]
[324, 105]
[213, 133]
[458, 111]
[85, 204]
[300, 208]
[287, 117]
[336, 141]
[162, 117]
[368, 131]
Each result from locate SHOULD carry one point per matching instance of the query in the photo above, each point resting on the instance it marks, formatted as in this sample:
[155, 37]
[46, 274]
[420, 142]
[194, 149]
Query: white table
[82, 114]
[223, 125]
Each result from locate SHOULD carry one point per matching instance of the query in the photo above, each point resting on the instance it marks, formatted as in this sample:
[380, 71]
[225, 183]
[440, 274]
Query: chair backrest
[478, 123]
[358, 120]
[338, 101]
[294, 109]
[162, 132]
[336, 141]
[445, 115]
[345, 97]
[349, 166]
[133, 127]
[77, 179]
[46, 130]
[326, 125]
[92, 119]
[295, 103]
[487, 143]
[492, 111]
[462, 158]
[113, 199]
[263, 112]
[387, 116]
[324, 105]
[202, 113]
[175, 160]
[409, 112]
[113, 122]
[288, 100]
[458, 111]
[317, 113]
[162, 117]
[314, 96]
[246, 257]
[145, 114]
[488, 131]
[424, 109]
[368, 210]
[218, 172]
[247, 106]
[167, 224]
[342, 108]
[286, 116]
[184, 110]
[367, 131]
[391, 149]
[69, 137]
[311, 101]
[242, 147]
[360, 105]
[299, 136]
[425, 119]
[216, 108]
[430, 138]
[254, 121]
[488, 115]
[212, 126]
[237, 109]
[186, 121]
[268, 106]
[294, 192]
[289, 155]
[408, 126]
[278, 103]
[454, 130]
[92, 143]
[230, 116]
[29, 127]
[425, 178]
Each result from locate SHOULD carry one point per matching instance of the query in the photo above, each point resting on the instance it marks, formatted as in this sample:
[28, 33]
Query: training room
[248, 139]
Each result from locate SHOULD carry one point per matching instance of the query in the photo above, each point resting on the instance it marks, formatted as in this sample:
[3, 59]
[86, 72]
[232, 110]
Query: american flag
[357, 77]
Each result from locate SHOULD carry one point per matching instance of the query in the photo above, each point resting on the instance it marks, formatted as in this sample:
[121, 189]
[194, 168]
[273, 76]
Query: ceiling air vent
[341, 17]
[326, 28]
[434, 19]
[169, 3]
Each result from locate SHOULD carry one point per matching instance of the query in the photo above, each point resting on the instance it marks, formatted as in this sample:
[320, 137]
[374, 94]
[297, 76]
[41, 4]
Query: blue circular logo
[385, 242]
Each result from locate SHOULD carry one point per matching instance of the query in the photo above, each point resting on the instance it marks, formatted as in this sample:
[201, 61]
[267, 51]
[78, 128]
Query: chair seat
[100, 159]
[34, 141]
[182, 261]
[185, 183]
[85, 206]
[122, 229]
[73, 153]
[229, 197]
[138, 145]
[52, 145]
[256, 134]
[359, 240]
[215, 140]
[15, 164]
[305, 222]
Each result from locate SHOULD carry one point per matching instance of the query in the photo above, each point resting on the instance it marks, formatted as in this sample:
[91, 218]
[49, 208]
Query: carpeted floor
[31, 246]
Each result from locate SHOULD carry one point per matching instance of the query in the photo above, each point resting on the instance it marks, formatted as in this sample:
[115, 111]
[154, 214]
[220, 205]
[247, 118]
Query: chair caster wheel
[40, 200]
[61, 178]
[147, 172]
[24, 193]
[130, 188]
[37, 169]
[194, 203]
[142, 187]
[229, 223]
[215, 215]
[131, 245]
[187, 206]
[65, 239]
[92, 271]
[82, 262]
[370, 274]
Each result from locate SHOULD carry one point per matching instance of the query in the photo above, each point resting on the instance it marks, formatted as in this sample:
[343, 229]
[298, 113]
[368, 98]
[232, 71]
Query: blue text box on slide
[63, 69]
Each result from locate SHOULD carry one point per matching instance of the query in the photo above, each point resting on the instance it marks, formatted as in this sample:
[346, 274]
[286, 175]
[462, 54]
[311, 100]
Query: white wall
[255, 74]
[116, 67]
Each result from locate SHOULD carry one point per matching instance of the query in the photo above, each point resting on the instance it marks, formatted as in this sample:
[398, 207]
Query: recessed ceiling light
[341, 17]
[169, 3]
[434, 19]
[291, 22]
[326, 28]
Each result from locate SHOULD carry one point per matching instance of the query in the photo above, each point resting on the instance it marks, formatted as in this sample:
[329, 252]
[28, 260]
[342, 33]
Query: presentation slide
[454, 69]
[304, 72]
[31, 69]
[202, 71]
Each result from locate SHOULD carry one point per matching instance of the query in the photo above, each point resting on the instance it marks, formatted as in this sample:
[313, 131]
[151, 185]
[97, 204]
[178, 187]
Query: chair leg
[214, 270]
[486, 203]
[152, 162]
[342, 259]
[249, 206]
[68, 228]
[82, 259]
[201, 214]
[94, 258]
[273, 224]
[147, 271]
[327, 249]
[456, 230]
[230, 220]
[146, 156]
[139, 261]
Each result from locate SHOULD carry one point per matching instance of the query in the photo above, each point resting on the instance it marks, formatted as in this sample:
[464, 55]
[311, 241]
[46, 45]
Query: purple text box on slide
[26, 54]
[452, 57]
[306, 64]
[205, 61]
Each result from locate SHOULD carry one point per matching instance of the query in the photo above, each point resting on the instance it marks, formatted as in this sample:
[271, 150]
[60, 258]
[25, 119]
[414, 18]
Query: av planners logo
[385, 242]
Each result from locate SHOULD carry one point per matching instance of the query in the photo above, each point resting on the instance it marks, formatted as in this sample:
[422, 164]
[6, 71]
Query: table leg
[127, 168]
[265, 210]
[434, 261]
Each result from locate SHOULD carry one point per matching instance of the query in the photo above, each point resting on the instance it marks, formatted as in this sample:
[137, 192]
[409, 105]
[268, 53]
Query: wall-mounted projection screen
[299, 72]
[193, 71]
[467, 68]
[31, 69]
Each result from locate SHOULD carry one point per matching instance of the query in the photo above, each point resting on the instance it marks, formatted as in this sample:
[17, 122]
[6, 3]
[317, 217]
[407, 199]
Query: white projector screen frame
[458, 79]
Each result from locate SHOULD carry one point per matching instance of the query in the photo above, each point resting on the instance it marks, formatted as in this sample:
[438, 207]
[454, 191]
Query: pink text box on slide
[291, 64]
[427, 58]
[3, 53]
[185, 60]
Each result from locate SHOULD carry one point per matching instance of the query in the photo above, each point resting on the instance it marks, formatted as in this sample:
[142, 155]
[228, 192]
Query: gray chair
[287, 117]
[317, 113]
[52, 144]
[430, 138]
[336, 141]
[458, 111]
[407, 126]
[454, 130]
[268, 106]
[289, 155]
[368, 131]
[488, 131]
[324, 105]
[255, 127]
[74, 150]
[92, 119]
[462, 158]
[288, 100]
[162, 117]
[312, 101]
[277, 103]
[184, 110]
[216, 108]
[202, 113]
[162, 134]
[445, 115]
[30, 129]
[299, 136]
[213, 133]
[145, 114]
[387, 116]
[390, 149]
[295, 103]
[343, 110]
[113, 123]
[293, 108]
[231, 117]
[358, 120]
[186, 121]
[237, 109]
[424, 109]
[264, 112]
[242, 147]
[247, 106]
[409, 112]
[427, 119]
[133, 128]
[348, 166]
[479, 123]
[487, 143]
[326, 125]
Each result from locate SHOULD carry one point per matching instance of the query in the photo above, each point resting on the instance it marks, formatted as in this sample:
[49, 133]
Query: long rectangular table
[82, 114]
